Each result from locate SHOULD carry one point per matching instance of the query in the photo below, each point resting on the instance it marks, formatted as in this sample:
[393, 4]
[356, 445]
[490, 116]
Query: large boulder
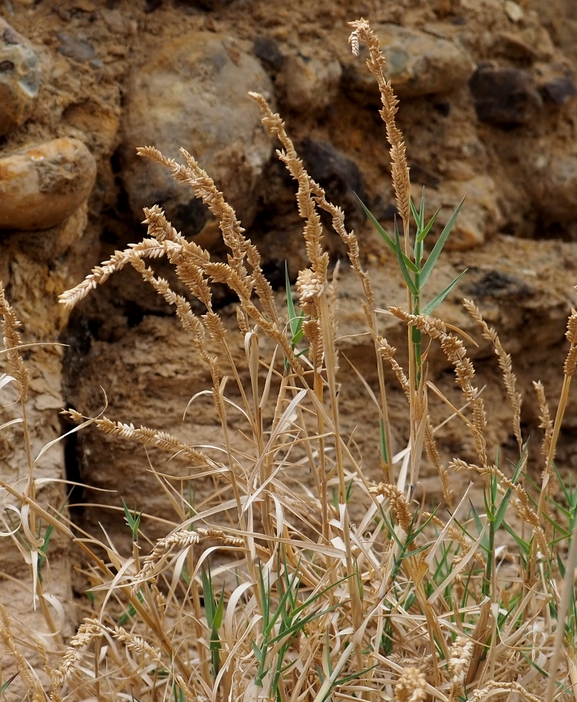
[418, 63]
[193, 93]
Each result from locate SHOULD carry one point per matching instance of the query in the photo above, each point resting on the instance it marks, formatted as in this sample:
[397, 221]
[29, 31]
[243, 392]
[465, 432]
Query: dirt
[521, 272]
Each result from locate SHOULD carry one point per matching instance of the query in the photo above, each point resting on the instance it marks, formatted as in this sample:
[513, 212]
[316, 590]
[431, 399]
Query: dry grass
[300, 604]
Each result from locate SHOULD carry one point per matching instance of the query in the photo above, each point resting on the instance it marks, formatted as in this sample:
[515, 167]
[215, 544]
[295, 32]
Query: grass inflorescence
[267, 591]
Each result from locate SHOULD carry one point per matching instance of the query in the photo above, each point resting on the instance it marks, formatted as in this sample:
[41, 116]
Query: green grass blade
[422, 235]
[436, 301]
[417, 215]
[383, 442]
[208, 596]
[132, 519]
[320, 594]
[501, 512]
[219, 612]
[377, 225]
[524, 546]
[295, 320]
[342, 681]
[410, 265]
[8, 682]
[438, 247]
[301, 623]
[402, 261]
[281, 606]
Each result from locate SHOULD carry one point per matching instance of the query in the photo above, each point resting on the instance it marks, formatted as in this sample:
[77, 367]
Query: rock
[479, 218]
[560, 90]
[19, 79]
[311, 80]
[114, 20]
[118, 23]
[505, 96]
[193, 93]
[528, 44]
[499, 286]
[555, 82]
[43, 185]
[47, 245]
[555, 189]
[98, 122]
[514, 12]
[418, 63]
[513, 47]
[338, 175]
[267, 50]
[75, 47]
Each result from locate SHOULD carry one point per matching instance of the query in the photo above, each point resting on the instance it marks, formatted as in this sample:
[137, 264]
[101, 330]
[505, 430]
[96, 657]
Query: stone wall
[488, 108]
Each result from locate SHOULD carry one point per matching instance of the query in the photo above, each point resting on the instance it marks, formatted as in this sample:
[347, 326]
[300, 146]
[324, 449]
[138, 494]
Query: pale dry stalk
[376, 63]
[32, 685]
[506, 365]
[546, 423]
[12, 342]
[568, 372]
[455, 351]
[435, 458]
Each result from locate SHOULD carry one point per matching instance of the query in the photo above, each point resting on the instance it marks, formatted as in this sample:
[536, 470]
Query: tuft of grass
[265, 589]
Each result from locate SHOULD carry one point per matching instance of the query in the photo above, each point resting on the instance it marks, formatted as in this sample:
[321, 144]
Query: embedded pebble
[418, 63]
[119, 23]
[555, 189]
[268, 51]
[44, 184]
[75, 47]
[505, 96]
[193, 93]
[526, 44]
[560, 90]
[19, 79]
[46, 245]
[555, 81]
[338, 175]
[512, 46]
[311, 80]
[514, 12]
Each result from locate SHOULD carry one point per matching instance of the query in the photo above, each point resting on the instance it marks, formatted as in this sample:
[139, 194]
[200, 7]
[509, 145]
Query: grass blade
[438, 247]
[436, 301]
[378, 227]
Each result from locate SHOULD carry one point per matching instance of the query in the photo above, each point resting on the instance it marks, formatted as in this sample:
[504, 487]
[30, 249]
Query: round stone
[193, 94]
[44, 184]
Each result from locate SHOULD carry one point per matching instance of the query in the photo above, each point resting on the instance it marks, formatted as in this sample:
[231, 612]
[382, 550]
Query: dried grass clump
[267, 592]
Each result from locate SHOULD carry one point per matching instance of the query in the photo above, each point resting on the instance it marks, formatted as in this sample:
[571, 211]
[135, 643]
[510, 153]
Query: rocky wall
[488, 109]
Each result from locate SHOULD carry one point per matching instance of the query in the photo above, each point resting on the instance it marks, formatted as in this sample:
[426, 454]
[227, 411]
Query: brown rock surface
[311, 80]
[518, 178]
[193, 93]
[19, 79]
[418, 63]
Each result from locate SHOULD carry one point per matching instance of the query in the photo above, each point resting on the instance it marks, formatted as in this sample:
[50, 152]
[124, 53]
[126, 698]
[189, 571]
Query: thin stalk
[569, 370]
[568, 593]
